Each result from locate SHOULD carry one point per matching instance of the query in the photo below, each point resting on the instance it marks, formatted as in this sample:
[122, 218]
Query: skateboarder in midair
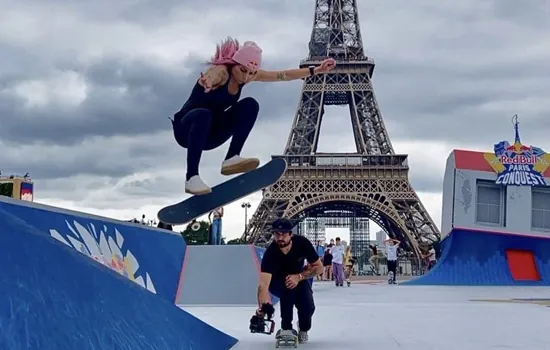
[283, 275]
[214, 112]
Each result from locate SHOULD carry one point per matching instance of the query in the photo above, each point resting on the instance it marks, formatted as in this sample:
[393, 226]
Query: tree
[235, 241]
[200, 236]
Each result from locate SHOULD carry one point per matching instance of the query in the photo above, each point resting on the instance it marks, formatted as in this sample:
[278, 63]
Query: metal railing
[406, 266]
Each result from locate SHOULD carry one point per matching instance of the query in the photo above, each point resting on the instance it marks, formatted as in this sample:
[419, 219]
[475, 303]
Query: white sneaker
[196, 186]
[238, 164]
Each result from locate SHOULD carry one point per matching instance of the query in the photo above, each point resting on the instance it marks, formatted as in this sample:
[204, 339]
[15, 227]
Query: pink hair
[225, 52]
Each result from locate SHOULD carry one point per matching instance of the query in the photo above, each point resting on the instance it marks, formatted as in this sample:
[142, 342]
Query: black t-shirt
[280, 265]
[327, 258]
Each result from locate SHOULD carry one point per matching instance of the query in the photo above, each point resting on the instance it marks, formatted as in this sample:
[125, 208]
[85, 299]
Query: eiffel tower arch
[371, 183]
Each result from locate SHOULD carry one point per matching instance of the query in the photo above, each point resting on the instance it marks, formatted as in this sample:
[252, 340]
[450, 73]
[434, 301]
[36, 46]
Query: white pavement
[381, 316]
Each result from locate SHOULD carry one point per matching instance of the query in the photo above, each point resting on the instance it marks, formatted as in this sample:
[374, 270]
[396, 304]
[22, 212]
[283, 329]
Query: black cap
[282, 225]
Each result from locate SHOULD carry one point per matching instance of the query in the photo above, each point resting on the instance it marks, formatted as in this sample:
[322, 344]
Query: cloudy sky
[86, 89]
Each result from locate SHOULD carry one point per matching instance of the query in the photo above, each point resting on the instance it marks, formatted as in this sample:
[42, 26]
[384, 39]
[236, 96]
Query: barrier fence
[406, 266]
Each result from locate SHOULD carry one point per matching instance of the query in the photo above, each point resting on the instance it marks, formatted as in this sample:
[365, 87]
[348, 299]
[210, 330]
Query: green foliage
[6, 189]
[235, 241]
[199, 237]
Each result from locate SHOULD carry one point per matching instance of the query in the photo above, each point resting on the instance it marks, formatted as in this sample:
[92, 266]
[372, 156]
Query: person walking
[337, 252]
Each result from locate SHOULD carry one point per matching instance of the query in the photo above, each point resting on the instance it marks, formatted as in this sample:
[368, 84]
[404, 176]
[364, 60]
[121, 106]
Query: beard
[283, 244]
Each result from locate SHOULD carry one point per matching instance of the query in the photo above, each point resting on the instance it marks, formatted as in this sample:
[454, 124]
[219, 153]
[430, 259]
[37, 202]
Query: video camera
[263, 323]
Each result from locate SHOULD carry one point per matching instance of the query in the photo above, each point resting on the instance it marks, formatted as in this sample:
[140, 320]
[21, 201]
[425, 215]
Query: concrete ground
[375, 315]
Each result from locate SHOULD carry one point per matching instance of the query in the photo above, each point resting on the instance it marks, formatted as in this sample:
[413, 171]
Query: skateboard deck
[225, 193]
[286, 341]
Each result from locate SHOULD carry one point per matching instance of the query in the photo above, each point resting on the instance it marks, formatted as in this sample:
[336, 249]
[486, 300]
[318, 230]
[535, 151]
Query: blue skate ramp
[148, 256]
[55, 297]
[479, 258]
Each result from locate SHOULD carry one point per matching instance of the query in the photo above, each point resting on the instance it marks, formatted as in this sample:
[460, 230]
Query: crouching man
[284, 275]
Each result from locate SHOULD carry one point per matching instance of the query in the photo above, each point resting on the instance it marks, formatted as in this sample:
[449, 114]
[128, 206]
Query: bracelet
[311, 70]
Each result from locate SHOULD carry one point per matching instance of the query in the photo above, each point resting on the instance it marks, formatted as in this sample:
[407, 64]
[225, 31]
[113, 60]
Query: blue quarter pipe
[55, 296]
[478, 258]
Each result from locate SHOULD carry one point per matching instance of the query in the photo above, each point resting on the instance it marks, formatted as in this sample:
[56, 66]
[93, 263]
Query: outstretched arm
[282, 75]
[293, 74]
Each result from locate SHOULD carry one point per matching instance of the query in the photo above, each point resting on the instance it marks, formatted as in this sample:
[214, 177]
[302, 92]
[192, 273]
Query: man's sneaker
[302, 337]
[196, 186]
[238, 164]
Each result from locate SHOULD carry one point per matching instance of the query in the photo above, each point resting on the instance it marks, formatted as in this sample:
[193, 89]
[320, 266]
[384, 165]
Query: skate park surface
[400, 317]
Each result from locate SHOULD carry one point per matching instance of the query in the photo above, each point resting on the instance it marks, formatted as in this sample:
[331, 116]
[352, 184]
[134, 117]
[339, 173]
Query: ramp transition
[481, 258]
[56, 297]
[220, 275]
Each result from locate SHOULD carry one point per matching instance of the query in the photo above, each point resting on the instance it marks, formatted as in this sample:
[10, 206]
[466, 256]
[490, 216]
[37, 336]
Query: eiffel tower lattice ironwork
[375, 179]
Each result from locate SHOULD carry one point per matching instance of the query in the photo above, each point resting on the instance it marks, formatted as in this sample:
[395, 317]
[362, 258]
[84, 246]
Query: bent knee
[250, 103]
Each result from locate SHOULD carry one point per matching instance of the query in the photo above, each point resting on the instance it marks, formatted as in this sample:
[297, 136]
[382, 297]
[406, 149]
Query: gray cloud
[447, 73]
[123, 98]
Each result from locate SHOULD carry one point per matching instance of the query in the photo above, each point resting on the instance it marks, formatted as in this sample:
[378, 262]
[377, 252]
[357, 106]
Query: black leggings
[392, 267]
[201, 130]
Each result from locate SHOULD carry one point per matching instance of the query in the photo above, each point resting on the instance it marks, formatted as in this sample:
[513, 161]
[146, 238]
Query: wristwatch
[311, 70]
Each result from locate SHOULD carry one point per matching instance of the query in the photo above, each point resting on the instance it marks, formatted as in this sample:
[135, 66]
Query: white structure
[474, 199]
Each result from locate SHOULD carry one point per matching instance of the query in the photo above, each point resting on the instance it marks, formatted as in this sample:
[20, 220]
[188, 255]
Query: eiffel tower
[371, 183]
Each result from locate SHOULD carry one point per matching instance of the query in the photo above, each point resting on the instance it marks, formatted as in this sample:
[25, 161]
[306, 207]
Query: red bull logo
[518, 148]
[517, 164]
[117, 264]
[520, 178]
[518, 170]
[519, 159]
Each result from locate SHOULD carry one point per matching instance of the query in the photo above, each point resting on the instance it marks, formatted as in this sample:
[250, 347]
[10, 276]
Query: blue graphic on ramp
[476, 258]
[54, 297]
[148, 256]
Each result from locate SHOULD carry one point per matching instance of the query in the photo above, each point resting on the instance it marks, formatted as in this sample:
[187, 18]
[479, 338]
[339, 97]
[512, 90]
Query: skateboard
[286, 340]
[225, 193]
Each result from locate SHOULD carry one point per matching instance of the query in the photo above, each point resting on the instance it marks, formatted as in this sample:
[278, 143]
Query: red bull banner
[517, 164]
